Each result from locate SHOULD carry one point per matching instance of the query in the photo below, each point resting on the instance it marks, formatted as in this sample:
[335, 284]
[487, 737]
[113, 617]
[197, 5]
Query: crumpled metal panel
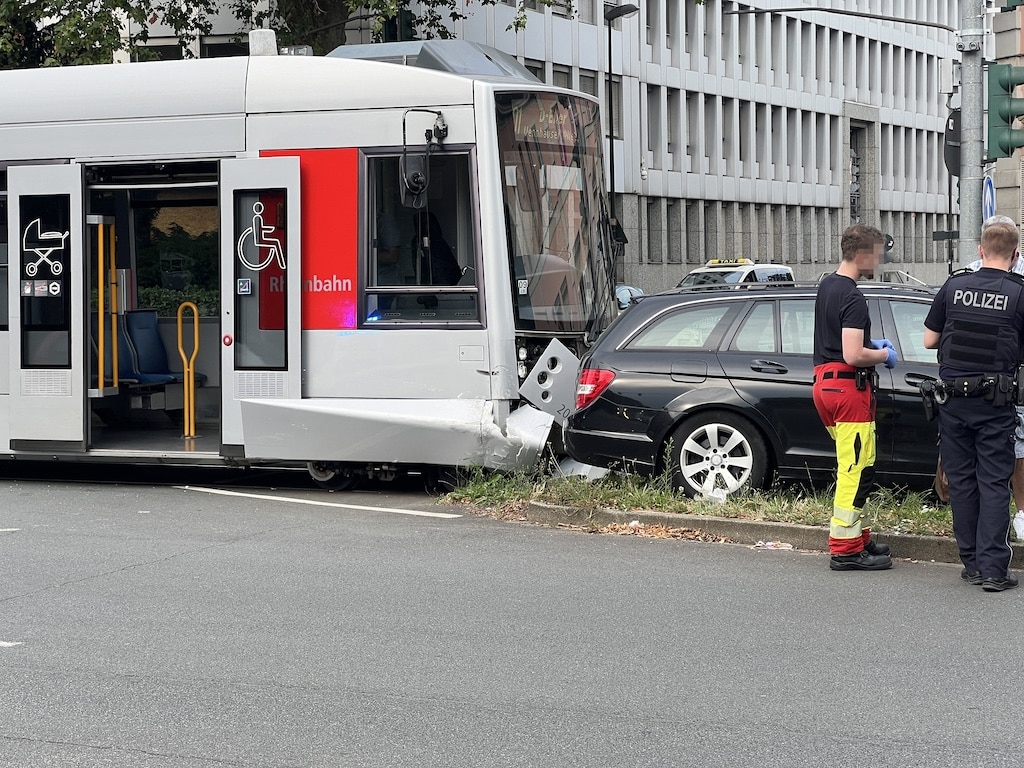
[551, 385]
[460, 433]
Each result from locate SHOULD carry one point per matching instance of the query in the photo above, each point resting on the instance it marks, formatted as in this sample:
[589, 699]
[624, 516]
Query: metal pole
[972, 142]
[611, 128]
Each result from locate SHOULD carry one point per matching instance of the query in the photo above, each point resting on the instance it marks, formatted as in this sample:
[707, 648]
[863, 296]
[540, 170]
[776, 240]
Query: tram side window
[422, 265]
[261, 279]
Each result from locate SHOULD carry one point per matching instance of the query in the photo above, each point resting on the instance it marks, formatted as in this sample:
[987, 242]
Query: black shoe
[876, 548]
[971, 577]
[1009, 581]
[862, 561]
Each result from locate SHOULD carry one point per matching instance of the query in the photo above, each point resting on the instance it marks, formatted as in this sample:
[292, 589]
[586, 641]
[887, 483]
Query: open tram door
[261, 284]
[48, 379]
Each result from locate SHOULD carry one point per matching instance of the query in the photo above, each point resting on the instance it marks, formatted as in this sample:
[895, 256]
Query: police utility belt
[998, 389]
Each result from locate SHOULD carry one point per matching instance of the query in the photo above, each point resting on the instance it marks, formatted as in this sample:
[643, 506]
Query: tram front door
[47, 403]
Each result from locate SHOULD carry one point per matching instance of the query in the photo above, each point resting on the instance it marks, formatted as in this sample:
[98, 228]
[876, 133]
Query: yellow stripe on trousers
[855, 450]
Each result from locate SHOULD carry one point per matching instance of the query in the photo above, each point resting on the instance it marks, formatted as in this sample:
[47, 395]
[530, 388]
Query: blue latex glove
[881, 344]
[890, 361]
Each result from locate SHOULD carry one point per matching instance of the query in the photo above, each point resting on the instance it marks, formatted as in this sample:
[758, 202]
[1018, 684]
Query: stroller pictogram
[43, 245]
[267, 248]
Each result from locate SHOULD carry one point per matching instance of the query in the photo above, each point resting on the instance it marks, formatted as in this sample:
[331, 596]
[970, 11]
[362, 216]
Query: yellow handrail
[189, 365]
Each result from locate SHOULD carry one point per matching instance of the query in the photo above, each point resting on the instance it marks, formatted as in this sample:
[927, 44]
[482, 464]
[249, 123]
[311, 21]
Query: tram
[362, 263]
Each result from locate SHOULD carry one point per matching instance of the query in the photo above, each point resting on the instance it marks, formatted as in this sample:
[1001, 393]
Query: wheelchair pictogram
[43, 245]
[267, 248]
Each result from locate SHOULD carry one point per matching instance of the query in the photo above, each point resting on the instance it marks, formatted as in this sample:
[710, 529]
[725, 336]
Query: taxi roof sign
[712, 262]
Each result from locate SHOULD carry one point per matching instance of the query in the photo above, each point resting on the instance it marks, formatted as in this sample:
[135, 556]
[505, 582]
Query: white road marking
[316, 503]
[9, 530]
[4, 644]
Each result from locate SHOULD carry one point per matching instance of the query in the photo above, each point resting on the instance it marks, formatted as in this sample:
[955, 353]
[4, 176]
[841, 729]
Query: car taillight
[592, 382]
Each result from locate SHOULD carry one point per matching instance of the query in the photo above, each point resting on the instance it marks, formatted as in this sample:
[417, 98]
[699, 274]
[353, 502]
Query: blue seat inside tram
[141, 354]
[150, 352]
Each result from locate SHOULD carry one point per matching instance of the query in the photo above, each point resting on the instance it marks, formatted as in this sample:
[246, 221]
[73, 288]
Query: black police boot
[876, 548]
[972, 577]
[862, 561]
[1009, 581]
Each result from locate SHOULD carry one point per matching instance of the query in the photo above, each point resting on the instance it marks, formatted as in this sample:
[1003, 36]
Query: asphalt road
[164, 626]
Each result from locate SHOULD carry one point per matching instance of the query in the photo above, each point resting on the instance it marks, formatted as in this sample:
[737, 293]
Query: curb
[939, 549]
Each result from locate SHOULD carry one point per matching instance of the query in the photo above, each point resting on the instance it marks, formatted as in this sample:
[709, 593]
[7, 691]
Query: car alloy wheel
[717, 452]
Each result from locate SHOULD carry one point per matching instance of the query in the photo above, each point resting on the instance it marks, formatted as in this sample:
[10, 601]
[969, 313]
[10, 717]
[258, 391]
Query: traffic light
[406, 25]
[1003, 108]
[402, 26]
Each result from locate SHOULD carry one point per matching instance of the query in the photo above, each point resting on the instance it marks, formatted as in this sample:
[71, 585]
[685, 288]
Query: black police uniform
[980, 319]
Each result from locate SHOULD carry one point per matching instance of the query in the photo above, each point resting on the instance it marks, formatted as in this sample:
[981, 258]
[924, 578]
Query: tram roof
[254, 84]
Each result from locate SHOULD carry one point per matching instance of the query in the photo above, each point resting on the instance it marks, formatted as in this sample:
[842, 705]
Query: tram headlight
[522, 369]
[522, 353]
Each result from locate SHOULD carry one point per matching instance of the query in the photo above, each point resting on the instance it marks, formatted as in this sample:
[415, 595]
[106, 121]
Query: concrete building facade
[760, 135]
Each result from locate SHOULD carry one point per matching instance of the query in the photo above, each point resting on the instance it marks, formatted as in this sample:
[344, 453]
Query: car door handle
[768, 366]
[915, 379]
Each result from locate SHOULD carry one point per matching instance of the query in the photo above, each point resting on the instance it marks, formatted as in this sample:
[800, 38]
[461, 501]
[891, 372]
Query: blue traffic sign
[988, 199]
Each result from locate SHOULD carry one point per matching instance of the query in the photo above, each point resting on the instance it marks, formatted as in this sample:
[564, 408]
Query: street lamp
[612, 13]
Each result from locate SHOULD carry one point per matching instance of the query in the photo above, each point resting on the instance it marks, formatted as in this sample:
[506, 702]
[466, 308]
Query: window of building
[690, 30]
[673, 128]
[561, 75]
[159, 52]
[654, 120]
[692, 131]
[588, 82]
[421, 266]
[214, 47]
[616, 106]
[536, 68]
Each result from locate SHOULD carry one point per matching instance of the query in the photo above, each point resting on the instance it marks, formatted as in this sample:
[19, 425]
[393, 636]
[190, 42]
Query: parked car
[625, 294]
[717, 385]
[735, 271]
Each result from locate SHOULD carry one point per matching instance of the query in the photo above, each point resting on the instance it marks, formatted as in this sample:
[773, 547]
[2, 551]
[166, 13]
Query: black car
[716, 383]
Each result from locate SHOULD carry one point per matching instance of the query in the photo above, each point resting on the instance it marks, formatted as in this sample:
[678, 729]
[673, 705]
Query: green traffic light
[1003, 109]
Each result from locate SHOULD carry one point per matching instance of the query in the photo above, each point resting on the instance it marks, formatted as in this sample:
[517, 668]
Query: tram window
[421, 265]
[45, 298]
[260, 279]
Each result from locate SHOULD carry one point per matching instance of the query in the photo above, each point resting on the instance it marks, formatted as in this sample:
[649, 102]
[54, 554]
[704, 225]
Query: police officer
[844, 395]
[976, 322]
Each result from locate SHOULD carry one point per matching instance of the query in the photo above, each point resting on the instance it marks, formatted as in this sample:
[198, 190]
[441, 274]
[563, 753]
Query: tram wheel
[332, 476]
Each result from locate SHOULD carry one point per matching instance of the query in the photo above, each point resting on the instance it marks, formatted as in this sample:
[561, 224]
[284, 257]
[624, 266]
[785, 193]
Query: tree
[49, 33]
[52, 33]
[322, 25]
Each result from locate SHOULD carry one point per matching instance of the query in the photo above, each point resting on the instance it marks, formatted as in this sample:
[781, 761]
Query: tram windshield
[555, 211]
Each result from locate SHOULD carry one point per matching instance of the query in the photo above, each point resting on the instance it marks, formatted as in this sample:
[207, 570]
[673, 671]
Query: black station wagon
[716, 383]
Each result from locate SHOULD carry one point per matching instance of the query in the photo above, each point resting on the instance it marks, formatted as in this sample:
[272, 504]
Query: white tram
[250, 260]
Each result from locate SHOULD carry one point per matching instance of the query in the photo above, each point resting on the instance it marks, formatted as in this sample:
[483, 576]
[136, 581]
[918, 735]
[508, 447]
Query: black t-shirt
[839, 304]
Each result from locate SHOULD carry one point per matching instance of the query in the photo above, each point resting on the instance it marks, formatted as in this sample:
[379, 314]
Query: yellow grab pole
[189, 364]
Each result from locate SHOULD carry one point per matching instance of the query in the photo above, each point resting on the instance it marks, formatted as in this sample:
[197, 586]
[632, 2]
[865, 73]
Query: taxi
[717, 271]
